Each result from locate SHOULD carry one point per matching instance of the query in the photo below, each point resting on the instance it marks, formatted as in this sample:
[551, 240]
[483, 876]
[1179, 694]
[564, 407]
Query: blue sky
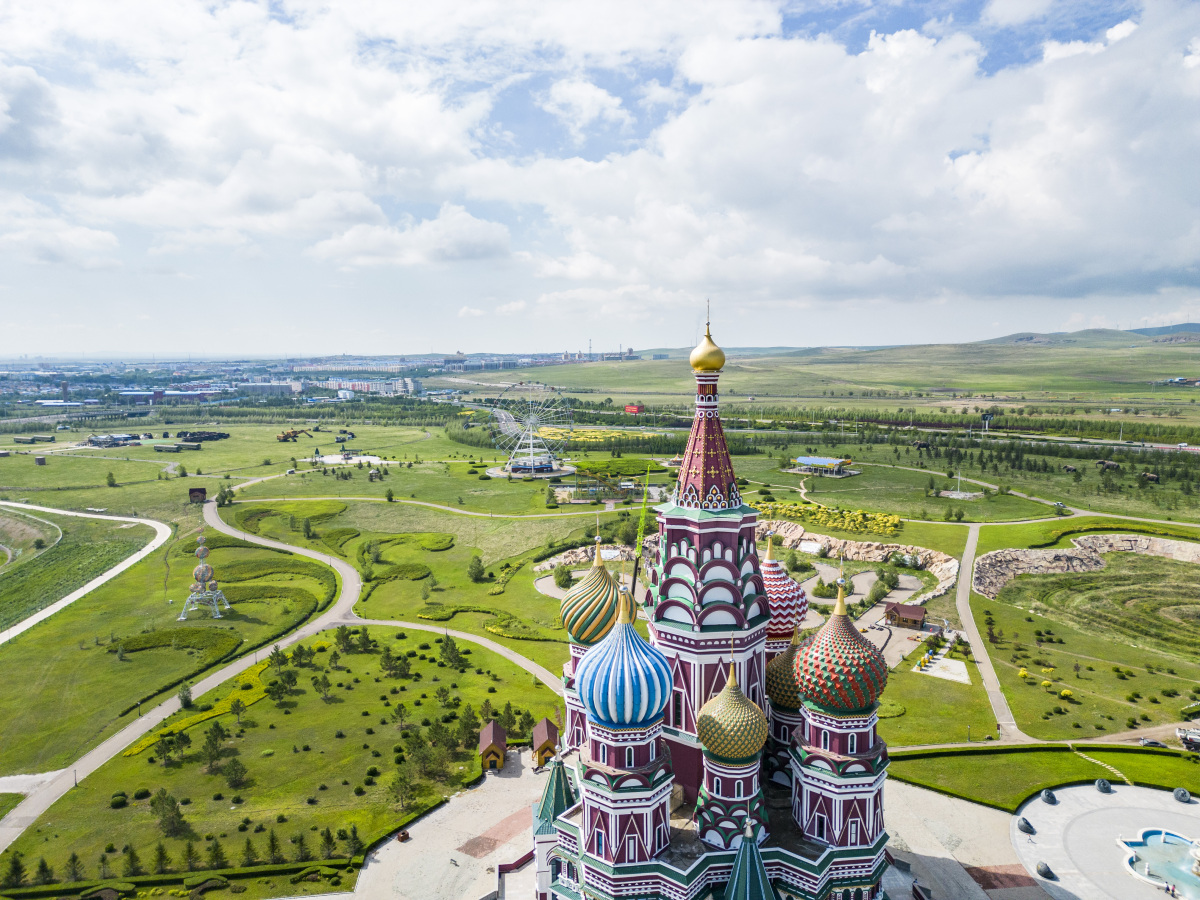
[300, 178]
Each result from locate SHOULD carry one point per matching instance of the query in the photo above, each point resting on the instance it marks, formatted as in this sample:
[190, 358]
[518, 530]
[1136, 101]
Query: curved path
[45, 793]
[454, 509]
[162, 533]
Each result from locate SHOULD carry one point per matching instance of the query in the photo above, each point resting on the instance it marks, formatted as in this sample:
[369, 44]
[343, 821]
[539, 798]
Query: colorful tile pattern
[841, 670]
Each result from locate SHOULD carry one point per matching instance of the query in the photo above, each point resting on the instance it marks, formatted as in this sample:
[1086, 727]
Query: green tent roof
[748, 880]
[557, 797]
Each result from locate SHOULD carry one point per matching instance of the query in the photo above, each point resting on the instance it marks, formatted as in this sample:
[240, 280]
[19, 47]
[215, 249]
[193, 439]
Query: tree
[274, 852]
[400, 715]
[450, 654]
[237, 707]
[328, 845]
[110, 480]
[508, 719]
[562, 577]
[44, 874]
[235, 773]
[343, 638]
[215, 857]
[468, 726]
[170, 816]
[334, 659]
[249, 854]
[302, 852]
[389, 495]
[525, 723]
[102, 864]
[74, 870]
[185, 695]
[181, 742]
[163, 747]
[14, 874]
[322, 684]
[308, 529]
[278, 659]
[354, 844]
[401, 788]
[277, 691]
[289, 678]
[387, 661]
[162, 859]
[485, 709]
[364, 640]
[443, 695]
[475, 569]
[214, 746]
[439, 734]
[132, 865]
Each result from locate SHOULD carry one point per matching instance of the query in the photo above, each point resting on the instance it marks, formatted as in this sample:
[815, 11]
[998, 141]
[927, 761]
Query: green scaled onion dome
[730, 725]
[781, 676]
[589, 610]
[839, 670]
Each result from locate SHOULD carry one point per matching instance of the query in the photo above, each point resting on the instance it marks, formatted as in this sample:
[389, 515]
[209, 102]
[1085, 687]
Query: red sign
[634, 408]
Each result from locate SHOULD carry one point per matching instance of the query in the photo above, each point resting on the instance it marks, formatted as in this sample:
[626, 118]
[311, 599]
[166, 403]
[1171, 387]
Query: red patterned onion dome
[781, 675]
[786, 599]
[840, 671]
[730, 725]
[590, 608]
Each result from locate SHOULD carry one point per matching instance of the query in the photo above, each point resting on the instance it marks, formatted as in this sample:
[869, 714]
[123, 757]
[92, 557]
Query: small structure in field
[205, 592]
[824, 465]
[905, 615]
[545, 742]
[197, 495]
[493, 744]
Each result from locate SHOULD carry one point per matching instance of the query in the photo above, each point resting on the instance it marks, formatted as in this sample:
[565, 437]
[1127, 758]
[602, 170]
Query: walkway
[161, 533]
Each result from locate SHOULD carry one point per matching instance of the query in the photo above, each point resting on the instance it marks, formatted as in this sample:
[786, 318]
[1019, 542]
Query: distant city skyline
[298, 179]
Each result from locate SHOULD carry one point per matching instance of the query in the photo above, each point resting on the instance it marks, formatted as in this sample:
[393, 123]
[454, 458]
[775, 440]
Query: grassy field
[69, 664]
[1102, 697]
[23, 537]
[937, 711]
[87, 548]
[1059, 531]
[1005, 777]
[8, 802]
[312, 763]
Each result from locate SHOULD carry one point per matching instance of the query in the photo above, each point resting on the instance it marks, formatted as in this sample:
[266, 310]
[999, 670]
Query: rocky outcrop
[996, 569]
[583, 556]
[941, 565]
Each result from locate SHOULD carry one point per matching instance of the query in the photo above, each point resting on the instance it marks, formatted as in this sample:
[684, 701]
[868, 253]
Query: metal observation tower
[206, 593]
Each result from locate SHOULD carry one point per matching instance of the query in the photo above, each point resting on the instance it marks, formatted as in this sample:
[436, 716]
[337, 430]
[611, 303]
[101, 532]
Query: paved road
[453, 509]
[161, 533]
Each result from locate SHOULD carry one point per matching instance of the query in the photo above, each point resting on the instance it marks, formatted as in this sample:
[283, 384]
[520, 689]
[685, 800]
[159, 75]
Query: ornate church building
[723, 757]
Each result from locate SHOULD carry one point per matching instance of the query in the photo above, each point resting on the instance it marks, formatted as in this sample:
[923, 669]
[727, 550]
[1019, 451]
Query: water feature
[1163, 857]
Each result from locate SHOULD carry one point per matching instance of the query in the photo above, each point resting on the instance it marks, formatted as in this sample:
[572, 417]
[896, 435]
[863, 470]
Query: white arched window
[629, 757]
[852, 744]
[716, 785]
[653, 754]
[737, 790]
[824, 740]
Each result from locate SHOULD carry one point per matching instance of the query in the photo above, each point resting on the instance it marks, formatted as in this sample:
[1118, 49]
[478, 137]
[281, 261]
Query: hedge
[215, 642]
[219, 541]
[337, 538]
[1120, 527]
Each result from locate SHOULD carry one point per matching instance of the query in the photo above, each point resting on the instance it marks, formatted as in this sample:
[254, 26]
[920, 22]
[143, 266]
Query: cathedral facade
[723, 757]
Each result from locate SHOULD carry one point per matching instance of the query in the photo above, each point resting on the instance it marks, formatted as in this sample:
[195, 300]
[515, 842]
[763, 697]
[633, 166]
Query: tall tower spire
[706, 479]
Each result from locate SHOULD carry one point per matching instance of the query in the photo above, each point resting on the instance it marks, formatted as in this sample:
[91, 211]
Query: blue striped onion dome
[731, 725]
[589, 610]
[623, 681]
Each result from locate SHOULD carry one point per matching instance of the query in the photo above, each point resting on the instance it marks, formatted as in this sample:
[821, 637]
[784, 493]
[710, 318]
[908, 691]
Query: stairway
[1115, 771]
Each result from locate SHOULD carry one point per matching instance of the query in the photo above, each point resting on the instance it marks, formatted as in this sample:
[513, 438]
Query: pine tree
[102, 863]
[354, 844]
[74, 871]
[302, 854]
[216, 856]
[44, 874]
[249, 854]
[274, 853]
[191, 859]
[162, 859]
[14, 876]
[132, 865]
[328, 846]
[475, 566]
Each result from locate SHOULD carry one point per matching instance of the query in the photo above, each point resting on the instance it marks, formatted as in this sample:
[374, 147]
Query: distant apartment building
[398, 387]
[269, 388]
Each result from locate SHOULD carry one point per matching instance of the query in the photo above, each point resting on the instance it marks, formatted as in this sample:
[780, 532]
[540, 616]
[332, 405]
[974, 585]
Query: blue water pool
[1163, 857]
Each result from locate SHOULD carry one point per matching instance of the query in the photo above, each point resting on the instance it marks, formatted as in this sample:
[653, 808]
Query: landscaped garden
[918, 709]
[334, 745]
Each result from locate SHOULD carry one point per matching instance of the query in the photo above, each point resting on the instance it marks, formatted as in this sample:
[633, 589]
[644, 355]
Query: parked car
[1147, 742]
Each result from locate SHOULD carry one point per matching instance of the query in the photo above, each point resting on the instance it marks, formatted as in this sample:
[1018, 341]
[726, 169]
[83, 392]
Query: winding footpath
[162, 532]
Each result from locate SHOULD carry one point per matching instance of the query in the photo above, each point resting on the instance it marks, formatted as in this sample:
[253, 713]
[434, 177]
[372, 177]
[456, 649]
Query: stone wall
[941, 565]
[582, 557]
[996, 569]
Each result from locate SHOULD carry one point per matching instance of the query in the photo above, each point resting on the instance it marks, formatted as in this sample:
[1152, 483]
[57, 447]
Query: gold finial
[839, 608]
[796, 636]
[770, 539]
[707, 357]
[625, 608]
[597, 561]
[732, 682]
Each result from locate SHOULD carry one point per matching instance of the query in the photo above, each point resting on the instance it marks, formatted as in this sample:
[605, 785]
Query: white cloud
[512, 309]
[580, 104]
[470, 312]
[1015, 12]
[454, 236]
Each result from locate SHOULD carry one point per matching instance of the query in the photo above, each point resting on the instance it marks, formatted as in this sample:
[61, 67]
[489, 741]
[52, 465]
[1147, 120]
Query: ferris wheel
[531, 423]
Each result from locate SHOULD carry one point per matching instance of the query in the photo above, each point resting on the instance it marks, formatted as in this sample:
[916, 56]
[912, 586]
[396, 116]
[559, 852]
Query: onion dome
[707, 357]
[840, 670]
[781, 676]
[589, 610]
[730, 725]
[623, 681]
[787, 601]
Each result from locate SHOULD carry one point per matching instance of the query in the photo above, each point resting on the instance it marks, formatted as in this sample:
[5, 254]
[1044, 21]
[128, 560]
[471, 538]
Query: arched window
[653, 751]
[603, 754]
[718, 550]
[824, 740]
[629, 757]
[716, 785]
[599, 842]
[852, 744]
[737, 789]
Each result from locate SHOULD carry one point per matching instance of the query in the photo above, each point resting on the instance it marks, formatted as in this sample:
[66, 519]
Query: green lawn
[1100, 701]
[88, 547]
[1057, 532]
[937, 711]
[308, 761]
[1004, 777]
[8, 802]
[69, 663]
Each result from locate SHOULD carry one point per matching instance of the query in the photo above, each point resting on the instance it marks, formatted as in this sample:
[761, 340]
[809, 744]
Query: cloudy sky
[295, 177]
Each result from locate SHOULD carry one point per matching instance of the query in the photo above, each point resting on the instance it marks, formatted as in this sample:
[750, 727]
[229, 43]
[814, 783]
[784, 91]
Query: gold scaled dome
[781, 676]
[707, 357]
[730, 725]
[590, 608]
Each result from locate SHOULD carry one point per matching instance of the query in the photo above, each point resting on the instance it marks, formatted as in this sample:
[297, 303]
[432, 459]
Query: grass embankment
[312, 763]
[1118, 681]
[1059, 532]
[936, 711]
[88, 548]
[70, 663]
[1004, 777]
[8, 803]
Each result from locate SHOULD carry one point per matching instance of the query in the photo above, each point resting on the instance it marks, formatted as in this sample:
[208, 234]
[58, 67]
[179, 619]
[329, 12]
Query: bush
[118, 801]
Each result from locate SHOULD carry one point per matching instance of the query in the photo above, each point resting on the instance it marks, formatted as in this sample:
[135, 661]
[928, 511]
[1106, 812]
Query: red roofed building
[493, 744]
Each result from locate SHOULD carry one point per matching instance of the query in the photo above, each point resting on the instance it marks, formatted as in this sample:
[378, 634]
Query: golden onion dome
[590, 608]
[730, 725]
[707, 357]
[782, 687]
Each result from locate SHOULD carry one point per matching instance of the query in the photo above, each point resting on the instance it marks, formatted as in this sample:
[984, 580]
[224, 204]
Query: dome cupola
[781, 676]
[707, 357]
[786, 599]
[839, 670]
[589, 610]
[730, 725]
[623, 681]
